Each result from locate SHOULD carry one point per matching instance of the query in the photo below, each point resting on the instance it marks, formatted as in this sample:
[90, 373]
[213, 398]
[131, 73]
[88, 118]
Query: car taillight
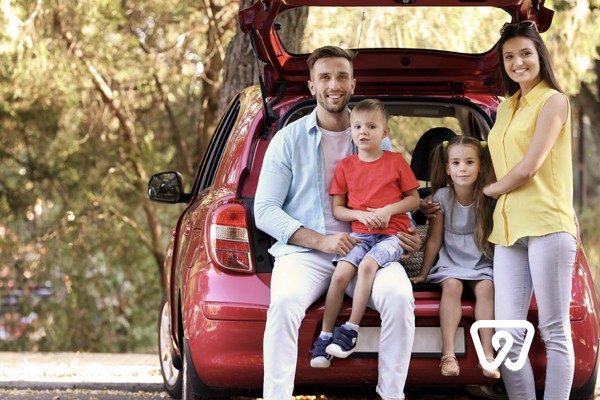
[229, 238]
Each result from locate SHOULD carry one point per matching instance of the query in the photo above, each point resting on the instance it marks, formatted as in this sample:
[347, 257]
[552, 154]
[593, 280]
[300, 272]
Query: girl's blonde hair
[484, 205]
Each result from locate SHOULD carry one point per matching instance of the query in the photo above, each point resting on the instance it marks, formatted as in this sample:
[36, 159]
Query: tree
[96, 96]
[241, 66]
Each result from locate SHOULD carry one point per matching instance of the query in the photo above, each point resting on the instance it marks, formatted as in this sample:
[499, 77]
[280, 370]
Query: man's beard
[334, 109]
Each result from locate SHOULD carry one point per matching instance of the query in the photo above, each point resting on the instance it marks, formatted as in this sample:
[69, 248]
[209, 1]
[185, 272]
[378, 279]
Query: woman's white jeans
[542, 265]
[298, 280]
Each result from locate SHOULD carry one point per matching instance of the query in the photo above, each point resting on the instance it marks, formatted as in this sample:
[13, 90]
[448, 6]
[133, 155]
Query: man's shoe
[319, 357]
[344, 343]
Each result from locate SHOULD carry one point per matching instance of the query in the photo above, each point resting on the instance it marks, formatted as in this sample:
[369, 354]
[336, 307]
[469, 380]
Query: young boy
[373, 189]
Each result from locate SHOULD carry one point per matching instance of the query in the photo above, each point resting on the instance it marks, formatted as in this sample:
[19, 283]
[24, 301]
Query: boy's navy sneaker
[319, 357]
[344, 342]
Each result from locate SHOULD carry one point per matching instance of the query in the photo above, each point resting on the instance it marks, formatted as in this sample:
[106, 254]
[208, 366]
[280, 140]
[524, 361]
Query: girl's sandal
[494, 374]
[449, 366]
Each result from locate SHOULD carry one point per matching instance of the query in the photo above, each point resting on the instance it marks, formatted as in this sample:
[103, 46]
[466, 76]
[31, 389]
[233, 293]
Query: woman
[534, 230]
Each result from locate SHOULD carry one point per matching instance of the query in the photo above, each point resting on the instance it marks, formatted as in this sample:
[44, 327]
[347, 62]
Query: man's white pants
[298, 280]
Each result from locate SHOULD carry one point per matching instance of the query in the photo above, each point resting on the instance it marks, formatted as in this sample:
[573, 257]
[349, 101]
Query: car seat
[421, 157]
[421, 160]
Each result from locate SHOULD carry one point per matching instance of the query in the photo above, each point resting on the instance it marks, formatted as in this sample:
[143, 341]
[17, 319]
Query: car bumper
[226, 340]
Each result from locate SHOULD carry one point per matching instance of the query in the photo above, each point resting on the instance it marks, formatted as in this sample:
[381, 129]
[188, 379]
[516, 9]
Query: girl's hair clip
[483, 144]
[445, 144]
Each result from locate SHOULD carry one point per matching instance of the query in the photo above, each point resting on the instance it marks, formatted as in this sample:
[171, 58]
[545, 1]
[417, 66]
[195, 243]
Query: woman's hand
[489, 191]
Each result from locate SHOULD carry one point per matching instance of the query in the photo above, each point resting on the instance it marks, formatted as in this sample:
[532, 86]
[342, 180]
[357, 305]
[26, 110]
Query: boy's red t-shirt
[375, 184]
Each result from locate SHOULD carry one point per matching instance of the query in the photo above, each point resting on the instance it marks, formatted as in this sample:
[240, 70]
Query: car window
[213, 154]
[469, 30]
[409, 118]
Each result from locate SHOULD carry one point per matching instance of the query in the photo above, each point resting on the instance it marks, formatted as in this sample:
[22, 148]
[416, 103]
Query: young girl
[459, 234]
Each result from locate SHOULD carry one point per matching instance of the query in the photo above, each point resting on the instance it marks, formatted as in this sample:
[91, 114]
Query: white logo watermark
[508, 342]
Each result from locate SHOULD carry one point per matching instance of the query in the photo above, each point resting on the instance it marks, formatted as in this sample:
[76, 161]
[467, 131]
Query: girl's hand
[418, 279]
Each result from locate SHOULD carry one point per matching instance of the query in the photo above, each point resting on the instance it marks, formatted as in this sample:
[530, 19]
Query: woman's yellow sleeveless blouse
[544, 204]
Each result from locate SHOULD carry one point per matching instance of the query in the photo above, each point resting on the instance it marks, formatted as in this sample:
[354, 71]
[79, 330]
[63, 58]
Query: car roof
[388, 70]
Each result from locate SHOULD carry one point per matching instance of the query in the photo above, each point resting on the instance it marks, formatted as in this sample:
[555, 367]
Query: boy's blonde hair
[372, 105]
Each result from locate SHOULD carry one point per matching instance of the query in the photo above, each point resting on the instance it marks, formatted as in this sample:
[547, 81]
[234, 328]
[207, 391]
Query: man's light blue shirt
[290, 189]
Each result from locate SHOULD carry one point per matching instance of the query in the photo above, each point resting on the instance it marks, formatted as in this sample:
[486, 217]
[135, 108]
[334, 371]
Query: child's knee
[368, 265]
[452, 286]
[484, 289]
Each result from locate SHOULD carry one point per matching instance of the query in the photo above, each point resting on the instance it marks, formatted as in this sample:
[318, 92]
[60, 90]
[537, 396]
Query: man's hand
[428, 207]
[410, 242]
[339, 243]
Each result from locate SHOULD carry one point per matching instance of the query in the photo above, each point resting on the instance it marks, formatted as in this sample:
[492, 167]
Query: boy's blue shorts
[384, 249]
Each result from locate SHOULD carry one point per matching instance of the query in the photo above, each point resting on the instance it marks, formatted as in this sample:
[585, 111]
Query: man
[292, 204]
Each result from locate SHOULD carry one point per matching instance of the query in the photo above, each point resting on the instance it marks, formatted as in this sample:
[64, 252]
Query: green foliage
[573, 41]
[95, 96]
[459, 29]
[85, 89]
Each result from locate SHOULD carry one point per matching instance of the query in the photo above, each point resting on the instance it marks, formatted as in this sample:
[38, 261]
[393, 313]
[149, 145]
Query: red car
[218, 269]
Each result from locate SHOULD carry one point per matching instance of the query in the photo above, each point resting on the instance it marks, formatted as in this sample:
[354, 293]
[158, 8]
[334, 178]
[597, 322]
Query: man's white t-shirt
[336, 146]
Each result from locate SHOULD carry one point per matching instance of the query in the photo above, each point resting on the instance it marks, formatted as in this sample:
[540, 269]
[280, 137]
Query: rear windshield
[409, 120]
[468, 30]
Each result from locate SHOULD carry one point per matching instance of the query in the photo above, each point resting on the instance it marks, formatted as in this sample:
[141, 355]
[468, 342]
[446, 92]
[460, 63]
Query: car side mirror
[167, 187]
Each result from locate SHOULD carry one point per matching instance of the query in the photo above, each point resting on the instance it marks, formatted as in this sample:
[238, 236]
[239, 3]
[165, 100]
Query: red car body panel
[429, 72]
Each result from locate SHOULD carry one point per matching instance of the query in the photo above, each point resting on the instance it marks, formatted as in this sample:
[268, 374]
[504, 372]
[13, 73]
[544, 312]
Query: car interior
[417, 125]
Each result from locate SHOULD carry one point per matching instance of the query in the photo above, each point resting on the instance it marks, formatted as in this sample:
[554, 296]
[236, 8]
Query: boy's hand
[370, 219]
[382, 215]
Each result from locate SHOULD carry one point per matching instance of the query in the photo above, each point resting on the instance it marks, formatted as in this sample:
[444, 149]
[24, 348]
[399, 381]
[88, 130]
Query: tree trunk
[211, 77]
[589, 105]
[241, 69]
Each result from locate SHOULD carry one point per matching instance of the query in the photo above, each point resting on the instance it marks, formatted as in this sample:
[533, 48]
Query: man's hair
[372, 105]
[329, 52]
